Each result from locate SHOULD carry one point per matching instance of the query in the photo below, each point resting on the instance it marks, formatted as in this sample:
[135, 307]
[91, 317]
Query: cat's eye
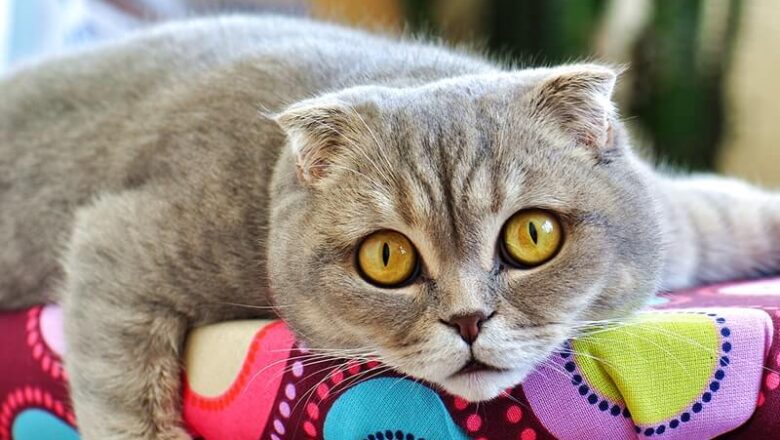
[387, 258]
[531, 237]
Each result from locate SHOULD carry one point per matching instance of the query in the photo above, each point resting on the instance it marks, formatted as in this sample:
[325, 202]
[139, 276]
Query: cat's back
[124, 72]
[56, 111]
[184, 99]
[79, 123]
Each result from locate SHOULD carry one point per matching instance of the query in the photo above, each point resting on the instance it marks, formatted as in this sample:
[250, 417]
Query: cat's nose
[468, 324]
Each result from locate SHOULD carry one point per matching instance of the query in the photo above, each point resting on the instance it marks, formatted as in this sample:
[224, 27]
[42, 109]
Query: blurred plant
[678, 54]
[681, 59]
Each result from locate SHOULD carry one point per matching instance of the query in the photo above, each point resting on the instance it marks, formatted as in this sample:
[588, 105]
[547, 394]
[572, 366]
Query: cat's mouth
[477, 380]
[476, 366]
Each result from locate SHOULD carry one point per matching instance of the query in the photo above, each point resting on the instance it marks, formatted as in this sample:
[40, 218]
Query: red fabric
[32, 374]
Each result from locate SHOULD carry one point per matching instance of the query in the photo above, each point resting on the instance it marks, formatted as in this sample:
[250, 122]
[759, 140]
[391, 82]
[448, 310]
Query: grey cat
[455, 217]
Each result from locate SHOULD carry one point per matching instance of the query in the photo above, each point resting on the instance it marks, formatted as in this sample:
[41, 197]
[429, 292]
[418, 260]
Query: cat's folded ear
[575, 101]
[320, 132]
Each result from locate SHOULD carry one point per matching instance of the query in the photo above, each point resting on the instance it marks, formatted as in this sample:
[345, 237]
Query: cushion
[698, 364]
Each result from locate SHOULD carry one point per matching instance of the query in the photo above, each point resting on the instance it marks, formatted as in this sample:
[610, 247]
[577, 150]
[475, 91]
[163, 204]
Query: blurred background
[699, 94]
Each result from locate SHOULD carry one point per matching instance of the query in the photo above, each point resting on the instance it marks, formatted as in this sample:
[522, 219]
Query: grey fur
[147, 181]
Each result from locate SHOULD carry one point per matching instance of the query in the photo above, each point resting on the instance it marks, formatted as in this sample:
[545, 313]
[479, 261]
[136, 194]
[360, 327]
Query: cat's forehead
[452, 198]
[484, 86]
[447, 101]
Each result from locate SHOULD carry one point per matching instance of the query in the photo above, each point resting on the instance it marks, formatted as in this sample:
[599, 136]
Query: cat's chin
[482, 385]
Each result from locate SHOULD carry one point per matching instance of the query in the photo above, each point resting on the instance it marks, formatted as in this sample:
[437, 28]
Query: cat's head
[479, 218]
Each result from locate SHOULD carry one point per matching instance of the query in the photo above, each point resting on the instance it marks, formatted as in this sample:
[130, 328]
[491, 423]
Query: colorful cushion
[701, 364]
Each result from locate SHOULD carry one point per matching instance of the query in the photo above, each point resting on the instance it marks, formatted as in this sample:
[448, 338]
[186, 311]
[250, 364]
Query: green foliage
[676, 95]
[550, 31]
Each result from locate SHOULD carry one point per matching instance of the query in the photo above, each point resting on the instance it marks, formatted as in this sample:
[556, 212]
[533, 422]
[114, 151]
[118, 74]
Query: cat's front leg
[124, 373]
[123, 329]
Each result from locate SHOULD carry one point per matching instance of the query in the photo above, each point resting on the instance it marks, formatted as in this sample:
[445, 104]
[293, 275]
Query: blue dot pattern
[616, 409]
[390, 435]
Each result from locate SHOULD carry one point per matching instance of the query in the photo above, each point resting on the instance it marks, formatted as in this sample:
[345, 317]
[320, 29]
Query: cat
[457, 218]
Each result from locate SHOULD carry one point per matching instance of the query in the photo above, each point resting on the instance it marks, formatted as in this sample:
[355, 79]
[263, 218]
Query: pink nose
[468, 325]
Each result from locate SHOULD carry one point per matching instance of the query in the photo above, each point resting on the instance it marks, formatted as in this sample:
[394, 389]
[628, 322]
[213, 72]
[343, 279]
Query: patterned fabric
[33, 394]
[702, 364]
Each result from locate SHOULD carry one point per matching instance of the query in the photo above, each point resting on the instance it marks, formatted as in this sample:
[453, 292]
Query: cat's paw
[174, 434]
[168, 433]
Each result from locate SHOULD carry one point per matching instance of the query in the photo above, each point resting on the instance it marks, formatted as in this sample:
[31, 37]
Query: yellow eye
[387, 258]
[532, 237]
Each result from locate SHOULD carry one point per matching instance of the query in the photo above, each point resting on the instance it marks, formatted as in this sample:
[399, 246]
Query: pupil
[532, 232]
[385, 254]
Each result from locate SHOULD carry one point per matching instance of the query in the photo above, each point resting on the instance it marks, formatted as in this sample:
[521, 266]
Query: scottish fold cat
[453, 217]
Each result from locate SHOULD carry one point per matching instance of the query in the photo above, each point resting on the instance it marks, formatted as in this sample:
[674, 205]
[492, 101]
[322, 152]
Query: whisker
[514, 399]
[251, 306]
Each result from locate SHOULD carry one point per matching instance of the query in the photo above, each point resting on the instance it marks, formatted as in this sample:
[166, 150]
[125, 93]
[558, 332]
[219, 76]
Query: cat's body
[145, 186]
[111, 119]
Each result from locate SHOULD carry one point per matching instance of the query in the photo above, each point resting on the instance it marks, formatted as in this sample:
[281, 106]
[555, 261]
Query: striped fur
[718, 229]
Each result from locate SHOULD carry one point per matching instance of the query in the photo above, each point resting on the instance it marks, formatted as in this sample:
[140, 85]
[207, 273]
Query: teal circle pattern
[39, 424]
[390, 404]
